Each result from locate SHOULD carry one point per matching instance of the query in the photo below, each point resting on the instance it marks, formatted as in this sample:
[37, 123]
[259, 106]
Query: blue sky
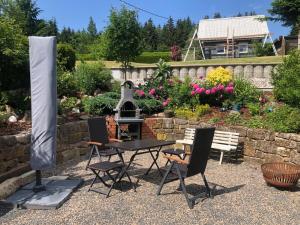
[76, 13]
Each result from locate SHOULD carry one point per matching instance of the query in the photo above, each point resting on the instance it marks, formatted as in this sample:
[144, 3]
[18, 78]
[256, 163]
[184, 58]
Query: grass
[254, 60]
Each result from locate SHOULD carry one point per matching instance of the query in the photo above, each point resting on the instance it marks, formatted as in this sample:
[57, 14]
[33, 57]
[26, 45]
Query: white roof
[238, 27]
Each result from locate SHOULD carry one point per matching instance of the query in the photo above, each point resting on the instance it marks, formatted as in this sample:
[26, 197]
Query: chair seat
[173, 151]
[185, 142]
[105, 166]
[222, 147]
[109, 152]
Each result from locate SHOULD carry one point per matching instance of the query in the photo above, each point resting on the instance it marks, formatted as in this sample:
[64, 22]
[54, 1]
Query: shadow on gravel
[5, 208]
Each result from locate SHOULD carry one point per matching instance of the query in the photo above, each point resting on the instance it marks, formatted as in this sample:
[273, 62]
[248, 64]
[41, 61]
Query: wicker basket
[279, 174]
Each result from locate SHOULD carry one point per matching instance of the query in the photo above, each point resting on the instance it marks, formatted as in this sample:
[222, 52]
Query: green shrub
[234, 119]
[3, 117]
[185, 113]
[19, 100]
[68, 104]
[3, 100]
[113, 95]
[201, 110]
[214, 120]
[99, 105]
[86, 57]
[245, 92]
[260, 50]
[284, 119]
[256, 122]
[149, 106]
[66, 57]
[66, 84]
[116, 86]
[286, 80]
[91, 77]
[153, 57]
[254, 108]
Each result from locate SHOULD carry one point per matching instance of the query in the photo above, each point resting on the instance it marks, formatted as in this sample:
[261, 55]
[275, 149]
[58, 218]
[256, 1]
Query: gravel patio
[241, 197]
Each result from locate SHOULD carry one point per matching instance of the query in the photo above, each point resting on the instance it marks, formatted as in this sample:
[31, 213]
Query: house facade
[231, 37]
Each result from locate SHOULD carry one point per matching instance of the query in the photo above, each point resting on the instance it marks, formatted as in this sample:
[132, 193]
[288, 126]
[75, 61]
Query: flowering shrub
[219, 76]
[175, 53]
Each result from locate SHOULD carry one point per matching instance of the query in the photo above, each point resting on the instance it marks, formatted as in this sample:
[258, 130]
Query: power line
[144, 10]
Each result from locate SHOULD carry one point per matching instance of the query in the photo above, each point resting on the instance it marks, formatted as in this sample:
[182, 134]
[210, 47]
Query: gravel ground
[241, 197]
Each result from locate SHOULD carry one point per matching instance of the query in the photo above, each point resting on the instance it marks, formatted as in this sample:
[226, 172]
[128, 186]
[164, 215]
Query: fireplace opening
[128, 110]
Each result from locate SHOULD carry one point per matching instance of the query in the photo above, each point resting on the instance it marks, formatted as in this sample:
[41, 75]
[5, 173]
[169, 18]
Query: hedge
[153, 57]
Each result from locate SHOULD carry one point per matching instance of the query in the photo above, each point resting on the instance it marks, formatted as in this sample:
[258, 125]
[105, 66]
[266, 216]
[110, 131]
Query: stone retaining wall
[15, 149]
[258, 74]
[258, 145]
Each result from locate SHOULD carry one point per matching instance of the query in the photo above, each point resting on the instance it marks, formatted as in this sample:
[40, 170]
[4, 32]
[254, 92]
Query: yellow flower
[219, 76]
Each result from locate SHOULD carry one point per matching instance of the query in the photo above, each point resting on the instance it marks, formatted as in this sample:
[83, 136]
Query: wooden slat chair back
[188, 139]
[225, 141]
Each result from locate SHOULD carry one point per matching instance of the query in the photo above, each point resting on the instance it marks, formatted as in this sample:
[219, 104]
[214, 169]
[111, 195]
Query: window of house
[243, 48]
[220, 49]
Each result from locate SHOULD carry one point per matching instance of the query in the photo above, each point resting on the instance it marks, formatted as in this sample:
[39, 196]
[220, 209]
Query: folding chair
[188, 139]
[106, 168]
[182, 169]
[98, 138]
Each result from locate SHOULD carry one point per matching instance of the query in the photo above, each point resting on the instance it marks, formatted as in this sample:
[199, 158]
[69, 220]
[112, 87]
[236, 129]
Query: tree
[206, 17]
[150, 36]
[168, 33]
[217, 15]
[124, 36]
[183, 29]
[92, 30]
[24, 12]
[14, 72]
[287, 12]
[47, 28]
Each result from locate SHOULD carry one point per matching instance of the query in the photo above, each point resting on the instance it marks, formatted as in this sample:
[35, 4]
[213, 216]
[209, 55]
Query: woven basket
[283, 175]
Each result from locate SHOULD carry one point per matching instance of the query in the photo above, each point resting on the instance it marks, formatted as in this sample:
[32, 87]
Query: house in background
[285, 44]
[231, 37]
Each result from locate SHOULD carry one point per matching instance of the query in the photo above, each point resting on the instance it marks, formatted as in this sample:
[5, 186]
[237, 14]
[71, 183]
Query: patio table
[140, 147]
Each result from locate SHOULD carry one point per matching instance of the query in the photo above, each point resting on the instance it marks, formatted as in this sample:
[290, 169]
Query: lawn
[254, 60]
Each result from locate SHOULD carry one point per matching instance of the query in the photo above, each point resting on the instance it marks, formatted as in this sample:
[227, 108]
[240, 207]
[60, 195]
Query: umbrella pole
[38, 182]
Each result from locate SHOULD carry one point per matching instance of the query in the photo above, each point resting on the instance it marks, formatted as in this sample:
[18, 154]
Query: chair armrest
[176, 159]
[94, 143]
[115, 140]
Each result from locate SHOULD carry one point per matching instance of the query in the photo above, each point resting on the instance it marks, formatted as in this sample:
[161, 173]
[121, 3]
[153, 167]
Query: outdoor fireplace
[127, 117]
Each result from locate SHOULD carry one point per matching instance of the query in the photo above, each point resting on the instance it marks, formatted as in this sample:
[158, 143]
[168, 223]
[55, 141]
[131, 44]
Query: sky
[76, 13]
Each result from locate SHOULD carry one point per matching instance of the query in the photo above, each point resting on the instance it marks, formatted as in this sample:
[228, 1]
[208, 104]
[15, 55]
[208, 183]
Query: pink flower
[165, 103]
[198, 90]
[202, 90]
[230, 84]
[195, 86]
[152, 91]
[213, 90]
[207, 92]
[193, 93]
[161, 87]
[220, 87]
[229, 89]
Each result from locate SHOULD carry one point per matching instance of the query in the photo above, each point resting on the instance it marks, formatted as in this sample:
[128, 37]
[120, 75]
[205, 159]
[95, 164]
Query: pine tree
[92, 29]
[168, 33]
[217, 15]
[150, 36]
